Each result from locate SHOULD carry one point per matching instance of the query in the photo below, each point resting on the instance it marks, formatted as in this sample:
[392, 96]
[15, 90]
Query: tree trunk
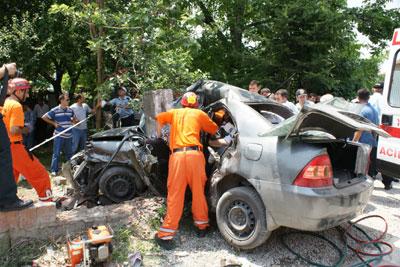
[100, 67]
[97, 33]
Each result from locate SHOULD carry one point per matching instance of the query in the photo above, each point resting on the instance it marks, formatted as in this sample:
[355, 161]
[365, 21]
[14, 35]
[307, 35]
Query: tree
[290, 44]
[46, 44]
[148, 44]
[376, 21]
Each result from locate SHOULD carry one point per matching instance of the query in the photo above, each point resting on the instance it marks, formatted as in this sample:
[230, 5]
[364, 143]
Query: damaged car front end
[116, 166]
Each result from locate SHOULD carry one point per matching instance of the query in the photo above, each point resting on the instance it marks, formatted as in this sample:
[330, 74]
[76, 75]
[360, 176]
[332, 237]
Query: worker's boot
[201, 232]
[19, 204]
[165, 244]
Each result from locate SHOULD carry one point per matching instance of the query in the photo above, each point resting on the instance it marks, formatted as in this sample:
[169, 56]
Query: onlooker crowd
[41, 120]
[282, 96]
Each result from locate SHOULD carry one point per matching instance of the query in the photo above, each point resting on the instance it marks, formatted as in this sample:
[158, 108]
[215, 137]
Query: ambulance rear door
[388, 153]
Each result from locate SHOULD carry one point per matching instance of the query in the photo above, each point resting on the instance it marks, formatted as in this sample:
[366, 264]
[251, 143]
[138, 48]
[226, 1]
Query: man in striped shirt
[61, 117]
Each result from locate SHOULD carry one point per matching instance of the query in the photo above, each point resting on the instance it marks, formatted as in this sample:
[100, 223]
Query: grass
[155, 222]
[24, 252]
[122, 244]
[125, 242]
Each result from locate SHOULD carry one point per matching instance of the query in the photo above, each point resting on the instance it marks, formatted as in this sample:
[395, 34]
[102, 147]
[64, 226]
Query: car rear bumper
[316, 209]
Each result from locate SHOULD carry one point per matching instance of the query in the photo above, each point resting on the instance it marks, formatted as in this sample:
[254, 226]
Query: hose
[342, 255]
[358, 250]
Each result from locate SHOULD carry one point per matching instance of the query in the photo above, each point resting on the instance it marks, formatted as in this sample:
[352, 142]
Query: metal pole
[57, 135]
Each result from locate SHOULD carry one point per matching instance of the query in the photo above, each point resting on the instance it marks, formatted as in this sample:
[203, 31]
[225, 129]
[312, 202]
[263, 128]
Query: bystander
[376, 99]
[30, 120]
[282, 97]
[39, 110]
[122, 108]
[301, 97]
[266, 92]
[370, 113]
[254, 86]
[61, 117]
[80, 132]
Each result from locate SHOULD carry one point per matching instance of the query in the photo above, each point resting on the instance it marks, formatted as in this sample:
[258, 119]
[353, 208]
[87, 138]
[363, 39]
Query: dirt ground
[214, 251]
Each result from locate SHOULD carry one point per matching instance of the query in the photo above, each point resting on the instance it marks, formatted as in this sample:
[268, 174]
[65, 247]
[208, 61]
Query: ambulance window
[394, 93]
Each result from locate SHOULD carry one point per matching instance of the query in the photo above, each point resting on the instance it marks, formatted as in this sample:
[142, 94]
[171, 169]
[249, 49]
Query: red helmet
[189, 99]
[19, 84]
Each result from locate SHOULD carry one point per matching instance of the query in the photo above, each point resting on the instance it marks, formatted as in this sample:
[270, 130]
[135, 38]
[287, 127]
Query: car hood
[113, 133]
[339, 123]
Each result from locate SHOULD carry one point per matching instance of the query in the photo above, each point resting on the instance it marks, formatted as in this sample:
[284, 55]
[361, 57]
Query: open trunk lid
[339, 123]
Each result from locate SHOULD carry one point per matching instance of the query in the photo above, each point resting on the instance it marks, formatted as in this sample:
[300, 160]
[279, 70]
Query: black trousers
[8, 187]
[128, 121]
[372, 166]
[40, 130]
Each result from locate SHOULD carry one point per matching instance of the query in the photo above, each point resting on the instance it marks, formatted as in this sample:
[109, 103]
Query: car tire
[120, 184]
[241, 218]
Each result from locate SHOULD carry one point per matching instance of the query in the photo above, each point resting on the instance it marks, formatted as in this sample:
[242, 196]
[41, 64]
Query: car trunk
[349, 160]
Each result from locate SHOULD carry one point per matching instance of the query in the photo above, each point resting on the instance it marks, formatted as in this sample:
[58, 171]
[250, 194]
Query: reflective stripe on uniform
[167, 230]
[201, 222]
[45, 198]
[169, 237]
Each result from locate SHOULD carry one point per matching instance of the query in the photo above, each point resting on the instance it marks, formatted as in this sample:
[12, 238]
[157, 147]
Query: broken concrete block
[27, 218]
[5, 243]
[46, 213]
[12, 219]
[3, 222]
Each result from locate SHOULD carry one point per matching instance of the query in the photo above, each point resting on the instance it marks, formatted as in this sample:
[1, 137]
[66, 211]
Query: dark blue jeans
[79, 137]
[8, 188]
[64, 145]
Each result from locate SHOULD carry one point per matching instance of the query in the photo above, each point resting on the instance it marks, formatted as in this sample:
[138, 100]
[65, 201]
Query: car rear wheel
[241, 218]
[120, 184]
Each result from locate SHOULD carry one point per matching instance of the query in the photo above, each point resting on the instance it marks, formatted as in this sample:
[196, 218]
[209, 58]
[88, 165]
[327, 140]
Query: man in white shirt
[281, 97]
[79, 133]
[39, 110]
[376, 99]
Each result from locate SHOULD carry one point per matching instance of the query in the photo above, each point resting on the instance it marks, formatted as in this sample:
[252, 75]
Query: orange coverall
[185, 167]
[23, 162]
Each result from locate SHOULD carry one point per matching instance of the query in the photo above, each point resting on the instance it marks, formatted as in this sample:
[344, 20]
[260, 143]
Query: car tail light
[317, 173]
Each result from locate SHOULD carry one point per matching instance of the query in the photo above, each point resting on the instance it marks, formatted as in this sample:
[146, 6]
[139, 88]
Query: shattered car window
[344, 105]
[281, 129]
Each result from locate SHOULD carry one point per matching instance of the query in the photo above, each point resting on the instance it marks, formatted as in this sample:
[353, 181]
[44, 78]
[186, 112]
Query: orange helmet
[19, 84]
[189, 99]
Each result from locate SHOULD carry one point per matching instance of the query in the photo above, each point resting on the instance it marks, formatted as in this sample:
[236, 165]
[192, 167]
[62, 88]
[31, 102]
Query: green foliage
[122, 245]
[45, 44]
[146, 44]
[170, 44]
[376, 21]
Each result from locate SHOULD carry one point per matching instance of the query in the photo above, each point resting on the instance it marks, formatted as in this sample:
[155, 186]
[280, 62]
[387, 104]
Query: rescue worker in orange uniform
[186, 167]
[23, 162]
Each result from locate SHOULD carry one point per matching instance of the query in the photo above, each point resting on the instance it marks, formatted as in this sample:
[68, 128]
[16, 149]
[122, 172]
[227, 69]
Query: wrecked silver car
[279, 170]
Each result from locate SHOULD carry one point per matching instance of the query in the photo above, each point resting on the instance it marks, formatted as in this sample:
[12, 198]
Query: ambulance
[388, 153]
